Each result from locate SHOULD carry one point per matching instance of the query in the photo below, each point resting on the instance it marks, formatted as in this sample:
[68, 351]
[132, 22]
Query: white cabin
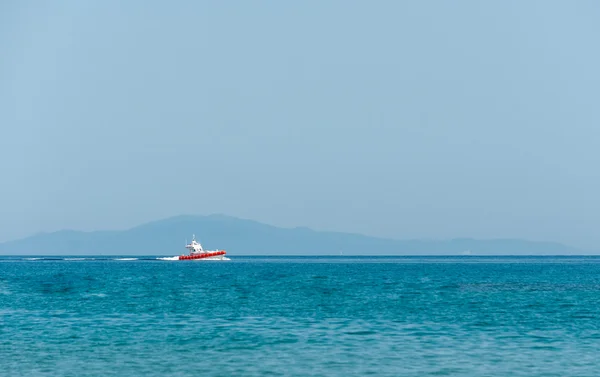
[195, 247]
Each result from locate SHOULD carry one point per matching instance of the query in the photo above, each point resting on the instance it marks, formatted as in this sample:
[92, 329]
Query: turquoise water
[256, 316]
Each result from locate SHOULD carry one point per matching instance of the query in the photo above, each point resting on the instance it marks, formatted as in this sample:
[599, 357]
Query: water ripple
[289, 317]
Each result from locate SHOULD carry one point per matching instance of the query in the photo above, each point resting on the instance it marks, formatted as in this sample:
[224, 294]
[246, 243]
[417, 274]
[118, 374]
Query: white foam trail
[125, 259]
[32, 258]
[168, 258]
[74, 259]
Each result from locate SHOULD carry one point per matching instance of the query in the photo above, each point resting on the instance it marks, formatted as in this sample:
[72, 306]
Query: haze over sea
[298, 316]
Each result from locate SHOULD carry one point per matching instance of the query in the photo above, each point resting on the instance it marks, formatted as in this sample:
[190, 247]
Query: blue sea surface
[286, 316]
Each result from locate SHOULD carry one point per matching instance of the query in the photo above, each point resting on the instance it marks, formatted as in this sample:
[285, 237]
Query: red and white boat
[197, 252]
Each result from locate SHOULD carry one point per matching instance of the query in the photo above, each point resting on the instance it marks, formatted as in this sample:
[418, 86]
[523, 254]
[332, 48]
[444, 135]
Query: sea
[300, 316]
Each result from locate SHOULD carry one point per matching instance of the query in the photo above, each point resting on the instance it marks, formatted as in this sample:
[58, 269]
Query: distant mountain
[245, 237]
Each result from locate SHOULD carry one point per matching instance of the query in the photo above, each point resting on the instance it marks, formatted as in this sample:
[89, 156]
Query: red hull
[202, 256]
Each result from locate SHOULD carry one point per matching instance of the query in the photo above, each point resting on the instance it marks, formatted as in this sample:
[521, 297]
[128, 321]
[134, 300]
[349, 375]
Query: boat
[197, 252]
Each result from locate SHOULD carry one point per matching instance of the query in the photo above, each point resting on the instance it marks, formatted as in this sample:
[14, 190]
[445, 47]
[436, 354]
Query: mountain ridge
[249, 237]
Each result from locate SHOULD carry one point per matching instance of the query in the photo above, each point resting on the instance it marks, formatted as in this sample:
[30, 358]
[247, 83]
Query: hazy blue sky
[432, 119]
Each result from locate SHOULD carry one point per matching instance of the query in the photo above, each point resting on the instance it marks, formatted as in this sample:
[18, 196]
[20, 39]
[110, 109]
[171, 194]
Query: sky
[402, 119]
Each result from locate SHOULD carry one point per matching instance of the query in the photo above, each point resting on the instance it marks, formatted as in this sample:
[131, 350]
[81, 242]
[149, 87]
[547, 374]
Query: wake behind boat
[197, 252]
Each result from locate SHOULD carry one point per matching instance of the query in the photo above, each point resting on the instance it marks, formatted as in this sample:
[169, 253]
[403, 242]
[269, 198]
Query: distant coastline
[246, 237]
